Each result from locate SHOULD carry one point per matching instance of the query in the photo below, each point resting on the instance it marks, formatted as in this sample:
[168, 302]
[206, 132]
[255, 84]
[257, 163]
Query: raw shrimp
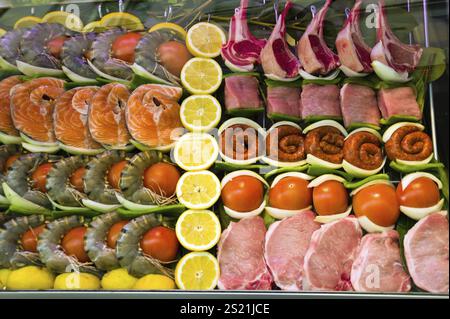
[10, 45]
[11, 255]
[130, 254]
[74, 54]
[50, 250]
[102, 256]
[6, 152]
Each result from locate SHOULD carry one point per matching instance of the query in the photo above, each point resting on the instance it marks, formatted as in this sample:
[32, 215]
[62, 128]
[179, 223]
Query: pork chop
[286, 244]
[329, 259]
[241, 256]
[426, 253]
[378, 265]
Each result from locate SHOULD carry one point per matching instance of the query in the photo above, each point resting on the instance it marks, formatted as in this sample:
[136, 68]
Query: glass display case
[113, 113]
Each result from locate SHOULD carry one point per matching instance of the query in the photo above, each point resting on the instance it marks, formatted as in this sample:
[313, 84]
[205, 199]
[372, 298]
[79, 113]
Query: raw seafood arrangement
[189, 158]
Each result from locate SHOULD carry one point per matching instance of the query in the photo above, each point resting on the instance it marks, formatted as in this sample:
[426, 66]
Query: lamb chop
[243, 49]
[353, 52]
[314, 54]
[277, 59]
[390, 50]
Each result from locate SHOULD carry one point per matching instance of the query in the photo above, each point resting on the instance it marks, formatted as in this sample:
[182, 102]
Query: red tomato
[114, 233]
[10, 161]
[162, 179]
[173, 56]
[330, 198]
[55, 46]
[39, 177]
[243, 193]
[73, 244]
[291, 193]
[114, 174]
[421, 193]
[30, 238]
[160, 243]
[124, 46]
[379, 203]
[77, 179]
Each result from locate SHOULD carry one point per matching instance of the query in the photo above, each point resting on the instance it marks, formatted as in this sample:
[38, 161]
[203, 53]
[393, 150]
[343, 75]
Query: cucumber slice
[107, 76]
[80, 151]
[5, 65]
[31, 70]
[4, 202]
[126, 148]
[40, 149]
[144, 148]
[139, 70]
[99, 207]
[77, 78]
[28, 140]
[133, 206]
[169, 210]
[21, 205]
[8, 139]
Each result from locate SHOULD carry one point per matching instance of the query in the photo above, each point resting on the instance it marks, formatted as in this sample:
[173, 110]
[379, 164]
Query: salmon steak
[6, 123]
[107, 116]
[32, 105]
[153, 115]
[71, 118]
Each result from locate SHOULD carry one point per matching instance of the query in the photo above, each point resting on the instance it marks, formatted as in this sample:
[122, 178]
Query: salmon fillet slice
[107, 115]
[6, 123]
[153, 114]
[32, 105]
[71, 118]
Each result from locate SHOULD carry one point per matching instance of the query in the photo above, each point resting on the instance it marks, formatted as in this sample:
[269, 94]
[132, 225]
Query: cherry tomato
[423, 192]
[160, 243]
[10, 161]
[114, 233]
[30, 238]
[39, 177]
[73, 244]
[114, 174]
[124, 46]
[55, 46]
[243, 194]
[330, 198]
[162, 179]
[77, 179]
[379, 203]
[173, 56]
[291, 193]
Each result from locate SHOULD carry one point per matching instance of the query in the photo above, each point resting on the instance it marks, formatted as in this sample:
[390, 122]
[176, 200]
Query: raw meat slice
[329, 259]
[390, 50]
[320, 100]
[399, 101]
[359, 105]
[276, 57]
[241, 256]
[283, 101]
[314, 54]
[286, 244]
[6, 123]
[378, 266]
[242, 92]
[426, 253]
[243, 49]
[353, 52]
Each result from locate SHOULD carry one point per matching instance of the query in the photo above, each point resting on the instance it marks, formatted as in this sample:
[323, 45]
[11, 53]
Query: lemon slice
[197, 271]
[205, 40]
[93, 26]
[69, 20]
[196, 151]
[200, 113]
[27, 22]
[122, 19]
[198, 230]
[201, 76]
[198, 190]
[170, 26]
[2, 32]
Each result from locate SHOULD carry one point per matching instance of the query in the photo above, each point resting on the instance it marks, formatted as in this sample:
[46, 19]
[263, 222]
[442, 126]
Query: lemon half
[201, 76]
[200, 113]
[122, 19]
[197, 271]
[198, 190]
[69, 20]
[196, 151]
[27, 22]
[205, 40]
